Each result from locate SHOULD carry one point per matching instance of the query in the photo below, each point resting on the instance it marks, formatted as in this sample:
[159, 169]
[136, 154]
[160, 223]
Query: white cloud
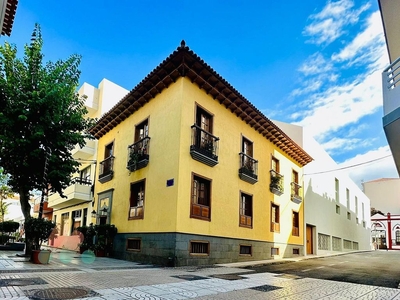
[315, 64]
[374, 164]
[328, 25]
[370, 39]
[341, 145]
[340, 106]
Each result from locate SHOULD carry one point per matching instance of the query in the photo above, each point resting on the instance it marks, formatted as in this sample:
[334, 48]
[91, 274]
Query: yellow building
[75, 208]
[191, 173]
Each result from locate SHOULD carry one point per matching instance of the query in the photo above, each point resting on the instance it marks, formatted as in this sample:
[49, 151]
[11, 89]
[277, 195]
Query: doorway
[309, 239]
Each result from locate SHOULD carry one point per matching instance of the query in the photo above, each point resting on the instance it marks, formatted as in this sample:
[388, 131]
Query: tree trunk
[26, 210]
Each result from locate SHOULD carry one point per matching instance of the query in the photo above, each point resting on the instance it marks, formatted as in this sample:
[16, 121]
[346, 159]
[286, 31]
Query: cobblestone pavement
[73, 276]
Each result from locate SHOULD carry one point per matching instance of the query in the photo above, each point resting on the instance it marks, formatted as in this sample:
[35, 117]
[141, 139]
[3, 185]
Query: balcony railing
[276, 185]
[390, 87]
[248, 168]
[138, 154]
[79, 180]
[295, 194]
[204, 147]
[106, 169]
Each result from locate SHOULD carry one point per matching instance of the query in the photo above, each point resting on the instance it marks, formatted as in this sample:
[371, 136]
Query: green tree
[41, 120]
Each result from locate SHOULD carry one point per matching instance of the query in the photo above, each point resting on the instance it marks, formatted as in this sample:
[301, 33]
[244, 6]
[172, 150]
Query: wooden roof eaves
[184, 62]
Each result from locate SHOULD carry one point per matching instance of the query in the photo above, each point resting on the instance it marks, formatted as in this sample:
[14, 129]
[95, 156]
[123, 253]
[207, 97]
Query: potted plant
[87, 234]
[39, 230]
[275, 185]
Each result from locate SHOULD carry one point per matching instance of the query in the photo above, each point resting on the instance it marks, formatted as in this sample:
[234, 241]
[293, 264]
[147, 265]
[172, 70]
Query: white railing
[390, 82]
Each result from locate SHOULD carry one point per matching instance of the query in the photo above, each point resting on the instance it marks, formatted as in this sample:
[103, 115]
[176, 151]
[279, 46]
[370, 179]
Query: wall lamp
[103, 213]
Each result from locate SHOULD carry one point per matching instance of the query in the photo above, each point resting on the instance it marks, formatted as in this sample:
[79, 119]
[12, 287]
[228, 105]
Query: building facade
[191, 173]
[336, 211]
[390, 77]
[75, 210]
[385, 202]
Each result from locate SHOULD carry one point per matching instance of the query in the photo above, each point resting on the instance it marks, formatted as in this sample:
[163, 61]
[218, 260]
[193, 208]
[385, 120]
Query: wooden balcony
[276, 184]
[295, 194]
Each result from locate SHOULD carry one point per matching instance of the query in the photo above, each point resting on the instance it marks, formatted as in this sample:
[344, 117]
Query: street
[378, 268]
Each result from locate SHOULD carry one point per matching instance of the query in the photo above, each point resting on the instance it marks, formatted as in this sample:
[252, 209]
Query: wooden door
[309, 238]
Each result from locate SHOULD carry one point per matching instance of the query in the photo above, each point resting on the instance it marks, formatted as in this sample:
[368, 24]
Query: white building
[74, 210]
[336, 211]
[385, 198]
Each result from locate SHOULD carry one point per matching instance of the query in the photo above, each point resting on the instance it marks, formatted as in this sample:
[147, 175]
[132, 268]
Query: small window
[134, 244]
[245, 250]
[201, 198]
[348, 198]
[296, 251]
[363, 224]
[337, 190]
[142, 130]
[275, 165]
[246, 210]
[275, 226]
[338, 209]
[199, 247]
[274, 251]
[357, 221]
[348, 215]
[295, 229]
[136, 206]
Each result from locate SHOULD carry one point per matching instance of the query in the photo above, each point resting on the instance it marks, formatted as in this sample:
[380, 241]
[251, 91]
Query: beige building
[75, 210]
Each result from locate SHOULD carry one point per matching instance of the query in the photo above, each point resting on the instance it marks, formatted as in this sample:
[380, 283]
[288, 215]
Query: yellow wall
[166, 209]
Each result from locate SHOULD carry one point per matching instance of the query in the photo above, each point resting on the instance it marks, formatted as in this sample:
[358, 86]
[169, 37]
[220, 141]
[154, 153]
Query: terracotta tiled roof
[183, 62]
[9, 14]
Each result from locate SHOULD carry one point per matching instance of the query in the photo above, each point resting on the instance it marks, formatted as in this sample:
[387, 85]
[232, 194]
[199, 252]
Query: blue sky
[313, 63]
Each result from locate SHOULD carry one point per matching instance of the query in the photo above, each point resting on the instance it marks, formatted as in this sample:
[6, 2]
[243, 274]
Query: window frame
[245, 219]
[295, 219]
[191, 242]
[144, 125]
[275, 210]
[139, 209]
[203, 209]
[134, 249]
[245, 246]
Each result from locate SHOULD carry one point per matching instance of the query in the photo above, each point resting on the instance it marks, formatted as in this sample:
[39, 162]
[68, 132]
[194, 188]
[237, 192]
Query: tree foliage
[41, 115]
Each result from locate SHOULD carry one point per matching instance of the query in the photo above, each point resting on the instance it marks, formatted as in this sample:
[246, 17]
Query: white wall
[384, 194]
[320, 200]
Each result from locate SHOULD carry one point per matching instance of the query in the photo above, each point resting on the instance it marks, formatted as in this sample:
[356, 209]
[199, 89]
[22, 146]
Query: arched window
[397, 237]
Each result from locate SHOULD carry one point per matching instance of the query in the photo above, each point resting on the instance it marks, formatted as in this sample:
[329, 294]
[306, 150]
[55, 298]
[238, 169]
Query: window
[85, 176]
[247, 150]
[136, 200]
[76, 221]
[204, 119]
[275, 227]
[64, 224]
[199, 247]
[275, 165]
[201, 198]
[246, 210]
[336, 190]
[142, 130]
[397, 237]
[296, 251]
[348, 198]
[356, 204]
[338, 209]
[348, 215]
[204, 122]
[274, 251]
[134, 244]
[295, 229]
[295, 187]
[245, 250]
[106, 166]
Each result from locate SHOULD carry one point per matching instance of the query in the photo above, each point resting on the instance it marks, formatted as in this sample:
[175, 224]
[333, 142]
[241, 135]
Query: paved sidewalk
[73, 276]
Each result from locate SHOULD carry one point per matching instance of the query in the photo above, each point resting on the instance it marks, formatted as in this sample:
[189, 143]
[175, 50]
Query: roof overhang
[7, 15]
[185, 63]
